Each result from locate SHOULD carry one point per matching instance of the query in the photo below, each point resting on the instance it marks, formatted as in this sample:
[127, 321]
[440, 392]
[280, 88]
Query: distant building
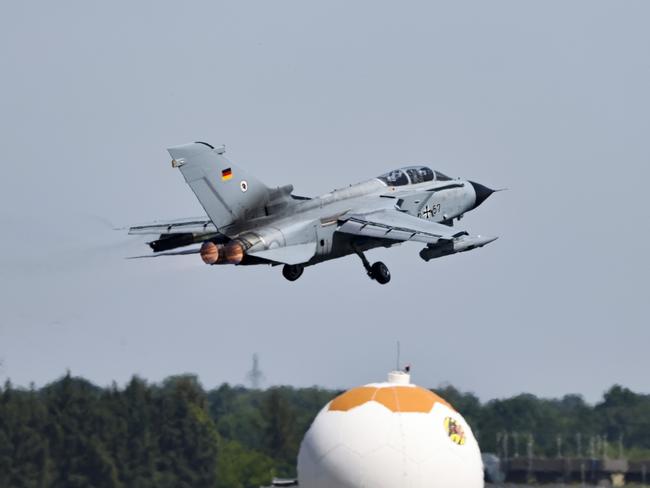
[282, 482]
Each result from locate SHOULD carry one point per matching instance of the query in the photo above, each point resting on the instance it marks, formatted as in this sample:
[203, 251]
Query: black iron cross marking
[427, 213]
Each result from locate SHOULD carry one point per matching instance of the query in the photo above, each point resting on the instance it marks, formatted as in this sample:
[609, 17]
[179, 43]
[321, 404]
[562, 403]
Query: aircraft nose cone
[482, 193]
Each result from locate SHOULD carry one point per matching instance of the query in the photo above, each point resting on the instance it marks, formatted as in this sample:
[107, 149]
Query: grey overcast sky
[548, 98]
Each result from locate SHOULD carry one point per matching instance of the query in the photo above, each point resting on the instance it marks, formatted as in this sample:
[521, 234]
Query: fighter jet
[250, 223]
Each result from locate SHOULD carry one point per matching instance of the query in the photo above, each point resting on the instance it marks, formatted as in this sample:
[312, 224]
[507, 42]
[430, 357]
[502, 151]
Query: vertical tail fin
[227, 192]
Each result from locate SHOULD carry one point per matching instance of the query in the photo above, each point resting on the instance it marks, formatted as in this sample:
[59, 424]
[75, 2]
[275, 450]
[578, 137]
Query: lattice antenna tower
[255, 375]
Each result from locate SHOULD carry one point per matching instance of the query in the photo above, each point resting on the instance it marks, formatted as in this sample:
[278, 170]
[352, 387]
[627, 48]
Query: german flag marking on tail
[226, 174]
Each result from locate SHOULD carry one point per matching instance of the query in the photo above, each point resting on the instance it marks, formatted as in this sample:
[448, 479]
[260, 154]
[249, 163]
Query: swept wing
[391, 224]
[173, 234]
[196, 225]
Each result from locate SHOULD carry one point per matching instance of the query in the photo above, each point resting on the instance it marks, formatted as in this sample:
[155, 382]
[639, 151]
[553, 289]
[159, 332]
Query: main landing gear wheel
[380, 273]
[292, 271]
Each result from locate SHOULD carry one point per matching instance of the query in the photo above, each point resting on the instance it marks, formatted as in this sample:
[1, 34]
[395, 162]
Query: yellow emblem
[455, 431]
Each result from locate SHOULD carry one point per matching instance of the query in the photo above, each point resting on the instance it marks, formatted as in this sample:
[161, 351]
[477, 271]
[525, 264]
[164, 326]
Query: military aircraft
[250, 223]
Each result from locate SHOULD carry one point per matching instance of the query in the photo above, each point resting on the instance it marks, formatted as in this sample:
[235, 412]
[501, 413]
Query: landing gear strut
[292, 271]
[378, 271]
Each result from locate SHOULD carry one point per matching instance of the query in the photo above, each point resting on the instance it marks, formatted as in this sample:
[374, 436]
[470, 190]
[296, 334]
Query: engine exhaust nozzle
[211, 252]
[231, 253]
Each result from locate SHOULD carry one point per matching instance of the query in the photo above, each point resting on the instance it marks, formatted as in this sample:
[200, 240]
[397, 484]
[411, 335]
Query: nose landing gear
[378, 271]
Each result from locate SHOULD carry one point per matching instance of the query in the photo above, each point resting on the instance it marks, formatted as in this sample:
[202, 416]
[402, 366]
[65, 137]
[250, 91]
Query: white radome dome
[389, 435]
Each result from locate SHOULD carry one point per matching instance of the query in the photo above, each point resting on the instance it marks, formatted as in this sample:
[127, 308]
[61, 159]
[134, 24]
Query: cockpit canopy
[412, 175]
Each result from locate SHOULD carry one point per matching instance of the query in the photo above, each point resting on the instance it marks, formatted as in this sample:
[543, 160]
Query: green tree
[281, 439]
[243, 468]
[188, 439]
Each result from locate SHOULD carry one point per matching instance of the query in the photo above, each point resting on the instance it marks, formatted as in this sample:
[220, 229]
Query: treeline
[74, 434]
[570, 427]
